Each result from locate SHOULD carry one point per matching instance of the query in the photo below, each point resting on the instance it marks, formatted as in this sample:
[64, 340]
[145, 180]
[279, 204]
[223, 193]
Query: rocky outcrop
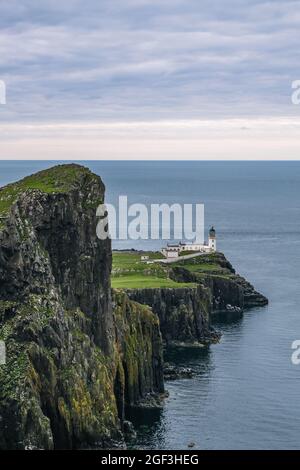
[77, 354]
[139, 378]
[57, 385]
[72, 363]
[252, 298]
[49, 247]
[229, 291]
[184, 312]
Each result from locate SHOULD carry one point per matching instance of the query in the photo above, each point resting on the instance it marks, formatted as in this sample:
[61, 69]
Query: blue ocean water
[246, 392]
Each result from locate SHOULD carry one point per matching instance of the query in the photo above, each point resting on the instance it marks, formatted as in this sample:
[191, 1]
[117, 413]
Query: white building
[212, 242]
[173, 249]
[172, 254]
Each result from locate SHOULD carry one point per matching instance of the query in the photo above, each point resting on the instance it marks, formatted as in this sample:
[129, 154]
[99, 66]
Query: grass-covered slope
[186, 292]
[129, 272]
[175, 292]
[205, 266]
[58, 179]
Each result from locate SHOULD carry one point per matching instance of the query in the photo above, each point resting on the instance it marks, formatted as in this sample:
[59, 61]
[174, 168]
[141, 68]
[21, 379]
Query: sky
[133, 79]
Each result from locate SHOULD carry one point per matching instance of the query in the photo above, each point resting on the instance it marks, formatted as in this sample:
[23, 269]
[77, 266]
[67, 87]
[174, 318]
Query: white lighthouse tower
[212, 242]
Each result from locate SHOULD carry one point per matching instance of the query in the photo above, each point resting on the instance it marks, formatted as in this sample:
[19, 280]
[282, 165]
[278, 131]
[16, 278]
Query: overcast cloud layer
[138, 61]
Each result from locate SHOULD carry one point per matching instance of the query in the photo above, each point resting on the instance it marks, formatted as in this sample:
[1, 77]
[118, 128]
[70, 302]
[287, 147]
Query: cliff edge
[77, 351]
[185, 294]
[69, 370]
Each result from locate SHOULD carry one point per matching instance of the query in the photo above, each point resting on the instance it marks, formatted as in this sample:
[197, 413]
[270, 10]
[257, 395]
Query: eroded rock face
[57, 386]
[69, 371]
[140, 367]
[184, 312]
[75, 355]
[233, 293]
[50, 242]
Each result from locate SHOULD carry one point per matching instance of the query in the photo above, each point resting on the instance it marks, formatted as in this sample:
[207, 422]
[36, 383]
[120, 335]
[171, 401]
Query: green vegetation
[209, 264]
[128, 263]
[138, 325]
[144, 281]
[122, 259]
[188, 252]
[198, 267]
[59, 179]
[13, 373]
[81, 405]
[130, 272]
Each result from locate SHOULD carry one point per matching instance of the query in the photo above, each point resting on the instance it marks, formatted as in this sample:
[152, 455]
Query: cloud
[148, 60]
[233, 139]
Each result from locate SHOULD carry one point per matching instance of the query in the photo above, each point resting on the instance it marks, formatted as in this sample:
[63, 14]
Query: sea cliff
[199, 288]
[79, 352]
[74, 356]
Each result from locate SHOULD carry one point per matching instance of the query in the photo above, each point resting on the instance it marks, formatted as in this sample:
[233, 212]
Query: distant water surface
[246, 392]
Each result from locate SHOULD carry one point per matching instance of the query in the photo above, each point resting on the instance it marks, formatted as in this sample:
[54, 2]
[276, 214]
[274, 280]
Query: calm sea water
[246, 392]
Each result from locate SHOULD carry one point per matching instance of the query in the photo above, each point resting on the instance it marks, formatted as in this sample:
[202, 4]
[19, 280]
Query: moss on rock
[66, 379]
[140, 348]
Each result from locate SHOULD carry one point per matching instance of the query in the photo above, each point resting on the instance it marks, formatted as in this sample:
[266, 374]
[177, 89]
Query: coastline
[57, 337]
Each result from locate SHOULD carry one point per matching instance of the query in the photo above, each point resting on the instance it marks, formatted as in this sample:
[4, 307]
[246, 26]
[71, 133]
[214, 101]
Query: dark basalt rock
[72, 363]
[174, 372]
[140, 367]
[186, 313]
[78, 354]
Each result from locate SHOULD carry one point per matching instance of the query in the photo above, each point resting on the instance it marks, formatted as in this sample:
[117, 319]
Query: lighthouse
[212, 242]
[172, 250]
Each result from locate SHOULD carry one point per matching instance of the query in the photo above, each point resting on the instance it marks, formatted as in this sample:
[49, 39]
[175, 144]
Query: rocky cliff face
[77, 354]
[139, 379]
[49, 247]
[186, 313]
[70, 368]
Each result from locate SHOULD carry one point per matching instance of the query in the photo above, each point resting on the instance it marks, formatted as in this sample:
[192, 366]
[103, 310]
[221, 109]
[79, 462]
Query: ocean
[246, 391]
